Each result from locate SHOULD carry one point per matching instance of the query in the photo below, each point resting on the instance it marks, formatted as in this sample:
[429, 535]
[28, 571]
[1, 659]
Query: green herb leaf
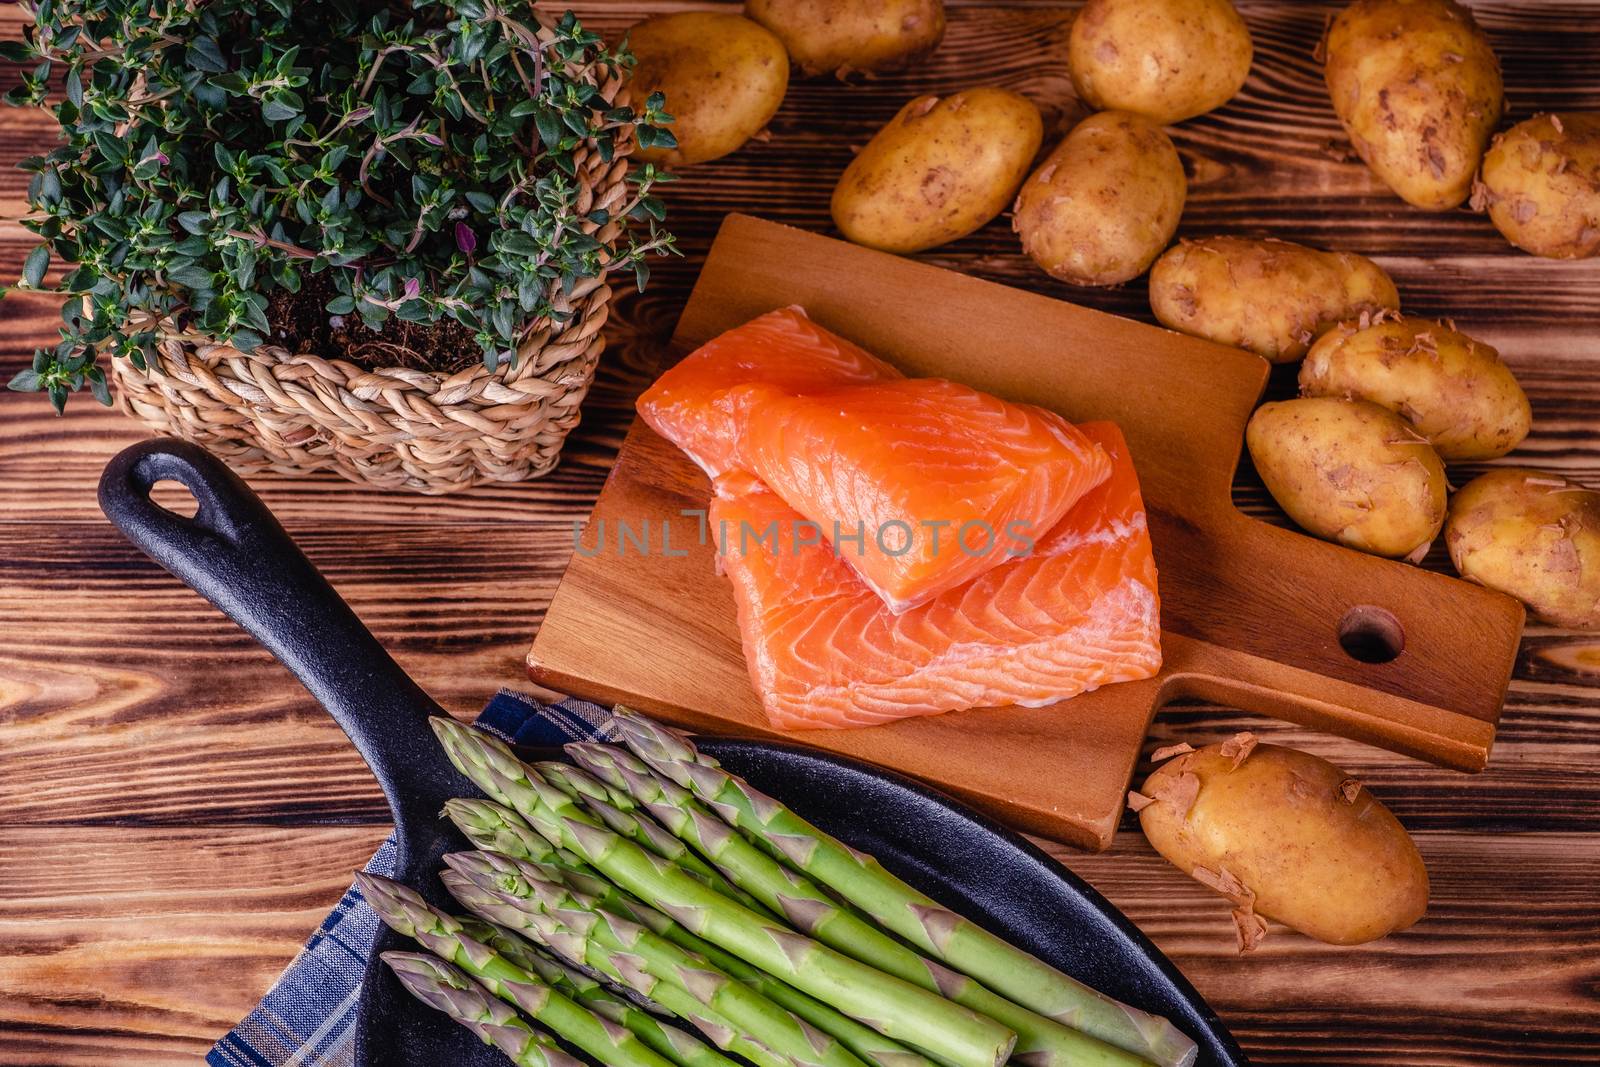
[99, 386]
[25, 381]
[550, 128]
[204, 54]
[278, 111]
[34, 267]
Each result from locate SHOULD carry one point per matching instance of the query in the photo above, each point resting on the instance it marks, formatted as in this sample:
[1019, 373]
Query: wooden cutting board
[1252, 615]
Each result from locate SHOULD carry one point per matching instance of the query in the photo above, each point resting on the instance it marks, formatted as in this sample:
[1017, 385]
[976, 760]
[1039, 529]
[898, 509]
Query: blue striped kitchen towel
[307, 1017]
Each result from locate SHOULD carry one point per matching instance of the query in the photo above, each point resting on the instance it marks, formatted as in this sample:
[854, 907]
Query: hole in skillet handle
[956, 856]
[174, 496]
[1371, 634]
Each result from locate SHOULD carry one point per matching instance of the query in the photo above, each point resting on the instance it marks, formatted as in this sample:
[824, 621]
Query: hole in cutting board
[1371, 634]
[175, 497]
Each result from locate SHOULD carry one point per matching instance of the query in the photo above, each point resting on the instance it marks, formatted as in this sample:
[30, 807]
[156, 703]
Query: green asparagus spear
[439, 985]
[617, 967]
[523, 885]
[445, 936]
[574, 982]
[493, 827]
[582, 987]
[577, 982]
[577, 785]
[638, 827]
[864, 1041]
[927, 926]
[1041, 1042]
[496, 828]
[896, 1008]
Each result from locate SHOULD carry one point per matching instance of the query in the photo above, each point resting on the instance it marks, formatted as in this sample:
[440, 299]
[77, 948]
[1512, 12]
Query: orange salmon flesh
[825, 652]
[921, 484]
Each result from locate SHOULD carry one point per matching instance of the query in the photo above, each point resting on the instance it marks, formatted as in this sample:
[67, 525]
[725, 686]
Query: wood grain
[145, 741]
[1472, 993]
[117, 945]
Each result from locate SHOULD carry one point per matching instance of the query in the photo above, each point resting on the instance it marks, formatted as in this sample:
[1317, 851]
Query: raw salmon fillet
[936, 481]
[921, 484]
[825, 652]
[689, 404]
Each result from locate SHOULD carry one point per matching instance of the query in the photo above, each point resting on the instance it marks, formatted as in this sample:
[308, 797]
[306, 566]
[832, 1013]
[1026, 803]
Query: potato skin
[938, 170]
[1103, 205]
[1418, 90]
[1541, 185]
[841, 36]
[1452, 389]
[724, 78]
[1339, 869]
[1350, 471]
[1167, 60]
[1268, 296]
[1533, 535]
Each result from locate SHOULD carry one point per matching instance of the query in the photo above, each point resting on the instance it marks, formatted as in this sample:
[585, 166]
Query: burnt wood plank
[128, 700]
[155, 767]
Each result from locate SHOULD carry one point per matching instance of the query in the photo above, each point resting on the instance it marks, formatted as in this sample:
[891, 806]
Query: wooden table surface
[176, 814]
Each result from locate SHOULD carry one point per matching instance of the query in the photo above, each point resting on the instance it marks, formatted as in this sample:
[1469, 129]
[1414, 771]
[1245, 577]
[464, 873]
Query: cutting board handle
[1321, 635]
[234, 553]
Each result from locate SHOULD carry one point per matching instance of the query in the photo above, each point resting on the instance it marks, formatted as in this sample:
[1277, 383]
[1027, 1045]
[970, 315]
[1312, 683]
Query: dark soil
[301, 323]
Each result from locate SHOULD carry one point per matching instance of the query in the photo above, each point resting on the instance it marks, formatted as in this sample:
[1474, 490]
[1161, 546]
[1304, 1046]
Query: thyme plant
[423, 155]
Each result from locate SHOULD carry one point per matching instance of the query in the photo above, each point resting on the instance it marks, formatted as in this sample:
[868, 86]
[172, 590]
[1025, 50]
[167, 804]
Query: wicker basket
[275, 410]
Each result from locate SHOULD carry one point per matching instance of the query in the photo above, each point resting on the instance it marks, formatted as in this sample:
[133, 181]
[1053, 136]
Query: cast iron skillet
[234, 553]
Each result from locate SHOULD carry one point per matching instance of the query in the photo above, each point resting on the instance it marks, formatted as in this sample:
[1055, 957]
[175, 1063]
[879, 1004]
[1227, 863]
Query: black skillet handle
[236, 555]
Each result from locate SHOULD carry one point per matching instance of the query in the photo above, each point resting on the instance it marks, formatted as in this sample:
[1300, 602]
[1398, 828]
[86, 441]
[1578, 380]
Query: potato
[1535, 536]
[842, 36]
[1286, 835]
[1167, 60]
[938, 170]
[1541, 184]
[723, 76]
[1105, 203]
[1350, 471]
[1271, 297]
[1452, 389]
[1418, 90]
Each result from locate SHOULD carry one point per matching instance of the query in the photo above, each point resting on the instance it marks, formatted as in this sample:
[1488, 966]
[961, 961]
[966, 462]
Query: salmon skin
[826, 653]
[920, 485]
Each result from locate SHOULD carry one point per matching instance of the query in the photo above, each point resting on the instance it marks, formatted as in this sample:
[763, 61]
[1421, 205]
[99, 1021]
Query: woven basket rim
[211, 350]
